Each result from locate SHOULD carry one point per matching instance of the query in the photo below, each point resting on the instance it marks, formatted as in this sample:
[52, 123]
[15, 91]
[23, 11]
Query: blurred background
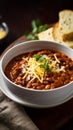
[19, 14]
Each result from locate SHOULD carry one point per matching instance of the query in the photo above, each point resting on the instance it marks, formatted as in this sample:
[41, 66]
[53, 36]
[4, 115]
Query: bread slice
[68, 43]
[62, 31]
[57, 35]
[46, 35]
[66, 24]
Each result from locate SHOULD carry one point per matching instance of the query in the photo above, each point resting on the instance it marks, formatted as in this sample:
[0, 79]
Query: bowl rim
[30, 89]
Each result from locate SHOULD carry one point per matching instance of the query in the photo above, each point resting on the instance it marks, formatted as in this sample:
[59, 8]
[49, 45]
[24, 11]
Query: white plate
[13, 97]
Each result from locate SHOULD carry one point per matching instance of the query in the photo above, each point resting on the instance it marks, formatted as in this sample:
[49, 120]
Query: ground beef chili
[41, 70]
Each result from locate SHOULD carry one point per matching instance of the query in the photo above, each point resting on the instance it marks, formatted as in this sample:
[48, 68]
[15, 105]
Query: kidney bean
[47, 87]
[50, 80]
[23, 82]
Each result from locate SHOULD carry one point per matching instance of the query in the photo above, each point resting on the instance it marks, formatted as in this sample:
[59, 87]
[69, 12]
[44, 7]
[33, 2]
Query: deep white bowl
[42, 98]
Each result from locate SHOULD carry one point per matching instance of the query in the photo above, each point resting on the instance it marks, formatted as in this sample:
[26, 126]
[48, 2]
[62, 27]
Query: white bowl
[42, 98]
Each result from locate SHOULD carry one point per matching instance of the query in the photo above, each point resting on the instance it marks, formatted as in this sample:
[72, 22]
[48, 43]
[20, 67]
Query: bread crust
[46, 35]
[57, 35]
[66, 24]
[62, 31]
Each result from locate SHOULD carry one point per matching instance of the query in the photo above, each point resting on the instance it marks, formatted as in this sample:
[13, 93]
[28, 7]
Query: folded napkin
[13, 116]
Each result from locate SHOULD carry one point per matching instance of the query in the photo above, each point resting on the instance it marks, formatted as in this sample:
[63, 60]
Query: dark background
[18, 16]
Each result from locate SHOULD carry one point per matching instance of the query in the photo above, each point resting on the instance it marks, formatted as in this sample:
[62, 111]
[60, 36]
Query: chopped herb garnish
[44, 62]
[45, 65]
[42, 27]
[37, 56]
[42, 58]
[31, 36]
[37, 27]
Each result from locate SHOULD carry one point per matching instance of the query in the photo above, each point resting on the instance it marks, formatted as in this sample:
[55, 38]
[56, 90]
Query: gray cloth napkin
[13, 116]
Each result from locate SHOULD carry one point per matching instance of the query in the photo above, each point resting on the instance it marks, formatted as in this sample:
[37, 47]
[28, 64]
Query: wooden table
[59, 117]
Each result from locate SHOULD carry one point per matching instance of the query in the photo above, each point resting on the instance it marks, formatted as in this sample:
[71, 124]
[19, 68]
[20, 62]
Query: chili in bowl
[39, 72]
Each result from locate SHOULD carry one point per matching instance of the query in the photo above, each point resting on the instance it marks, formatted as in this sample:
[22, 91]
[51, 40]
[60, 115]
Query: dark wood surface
[18, 16]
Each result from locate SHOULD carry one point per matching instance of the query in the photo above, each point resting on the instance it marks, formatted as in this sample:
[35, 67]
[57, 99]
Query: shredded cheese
[56, 58]
[33, 68]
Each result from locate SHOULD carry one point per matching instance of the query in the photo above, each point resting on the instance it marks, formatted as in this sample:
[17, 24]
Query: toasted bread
[46, 35]
[68, 43]
[66, 24]
[57, 35]
[62, 31]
